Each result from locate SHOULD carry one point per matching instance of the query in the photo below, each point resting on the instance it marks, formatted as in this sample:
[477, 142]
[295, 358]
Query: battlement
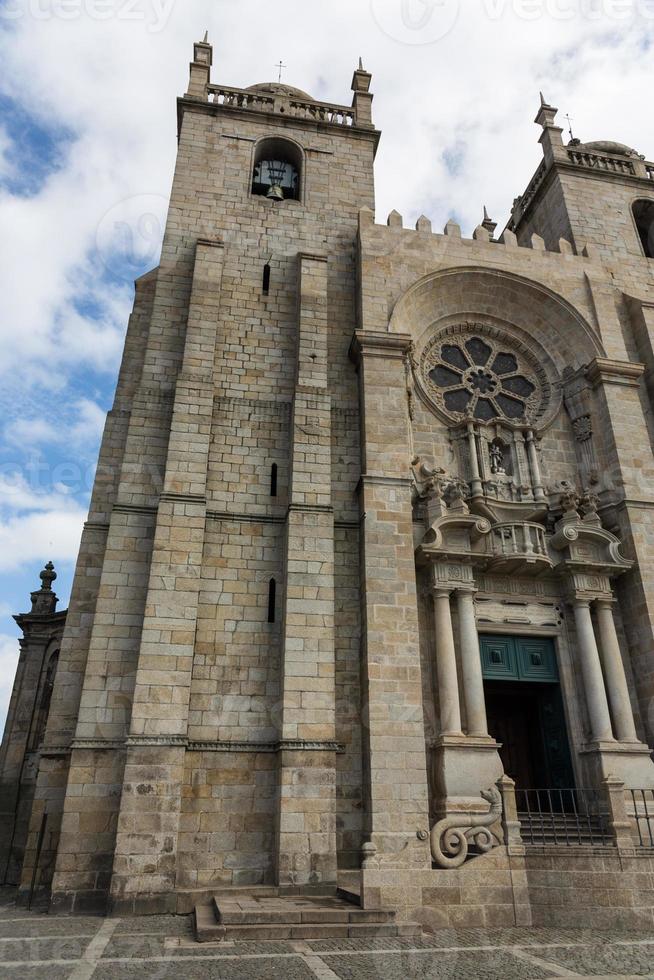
[480, 236]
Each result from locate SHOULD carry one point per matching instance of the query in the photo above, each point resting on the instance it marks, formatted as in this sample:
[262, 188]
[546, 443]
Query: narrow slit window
[266, 279]
[273, 480]
[272, 590]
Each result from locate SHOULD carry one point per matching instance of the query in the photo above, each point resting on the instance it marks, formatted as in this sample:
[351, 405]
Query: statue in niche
[499, 458]
[496, 454]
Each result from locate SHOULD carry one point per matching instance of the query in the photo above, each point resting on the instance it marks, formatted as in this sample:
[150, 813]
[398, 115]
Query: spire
[551, 136]
[362, 100]
[200, 69]
[488, 223]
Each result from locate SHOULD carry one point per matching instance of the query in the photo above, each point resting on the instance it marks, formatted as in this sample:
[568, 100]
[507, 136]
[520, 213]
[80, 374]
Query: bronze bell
[275, 193]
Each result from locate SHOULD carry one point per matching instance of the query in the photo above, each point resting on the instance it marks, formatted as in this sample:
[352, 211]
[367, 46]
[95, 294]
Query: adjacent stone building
[367, 584]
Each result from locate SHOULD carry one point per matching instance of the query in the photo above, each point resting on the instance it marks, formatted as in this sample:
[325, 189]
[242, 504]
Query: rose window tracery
[484, 376]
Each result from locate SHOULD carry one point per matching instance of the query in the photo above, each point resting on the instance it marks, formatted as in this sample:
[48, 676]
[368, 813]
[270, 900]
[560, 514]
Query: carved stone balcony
[517, 548]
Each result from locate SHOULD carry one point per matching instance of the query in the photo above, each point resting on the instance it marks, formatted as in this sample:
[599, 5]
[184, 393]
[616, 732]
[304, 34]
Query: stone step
[234, 914]
[257, 916]
[208, 930]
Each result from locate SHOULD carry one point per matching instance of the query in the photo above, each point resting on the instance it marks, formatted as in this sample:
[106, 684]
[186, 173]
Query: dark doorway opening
[525, 711]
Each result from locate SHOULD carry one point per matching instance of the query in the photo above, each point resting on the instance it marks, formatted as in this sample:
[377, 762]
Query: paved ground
[35, 946]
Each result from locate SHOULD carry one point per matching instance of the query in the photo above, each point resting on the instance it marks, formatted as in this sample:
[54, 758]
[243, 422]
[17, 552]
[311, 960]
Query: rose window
[483, 378]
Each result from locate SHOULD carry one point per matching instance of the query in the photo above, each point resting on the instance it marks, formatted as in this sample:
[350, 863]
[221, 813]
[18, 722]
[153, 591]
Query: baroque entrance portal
[525, 710]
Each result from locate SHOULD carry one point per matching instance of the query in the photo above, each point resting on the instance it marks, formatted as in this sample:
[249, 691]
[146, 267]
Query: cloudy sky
[87, 146]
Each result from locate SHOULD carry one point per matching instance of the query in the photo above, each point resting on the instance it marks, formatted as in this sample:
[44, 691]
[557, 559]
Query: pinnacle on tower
[488, 223]
[362, 99]
[200, 69]
[550, 139]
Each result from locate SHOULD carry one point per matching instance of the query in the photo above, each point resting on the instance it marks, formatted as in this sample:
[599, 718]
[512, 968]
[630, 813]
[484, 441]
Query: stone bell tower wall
[185, 692]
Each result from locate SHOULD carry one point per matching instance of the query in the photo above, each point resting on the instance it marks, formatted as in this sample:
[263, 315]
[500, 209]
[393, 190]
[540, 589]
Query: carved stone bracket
[451, 837]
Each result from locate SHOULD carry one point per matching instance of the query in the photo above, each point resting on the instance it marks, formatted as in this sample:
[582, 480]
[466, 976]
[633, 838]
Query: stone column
[616, 681]
[448, 686]
[534, 466]
[306, 829]
[475, 479]
[145, 856]
[473, 681]
[598, 708]
[397, 792]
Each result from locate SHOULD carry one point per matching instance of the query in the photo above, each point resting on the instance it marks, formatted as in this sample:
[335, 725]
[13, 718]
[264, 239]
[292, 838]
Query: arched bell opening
[277, 170]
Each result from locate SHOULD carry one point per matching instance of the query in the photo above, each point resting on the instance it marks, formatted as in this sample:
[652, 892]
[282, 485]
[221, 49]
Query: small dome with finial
[278, 88]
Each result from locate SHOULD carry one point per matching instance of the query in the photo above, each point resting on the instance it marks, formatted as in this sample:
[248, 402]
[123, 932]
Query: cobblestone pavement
[34, 945]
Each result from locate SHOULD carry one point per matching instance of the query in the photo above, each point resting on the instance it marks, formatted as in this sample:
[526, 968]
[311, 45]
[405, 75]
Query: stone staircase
[263, 913]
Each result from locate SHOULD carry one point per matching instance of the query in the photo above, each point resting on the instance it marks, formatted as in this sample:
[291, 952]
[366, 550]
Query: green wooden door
[527, 664]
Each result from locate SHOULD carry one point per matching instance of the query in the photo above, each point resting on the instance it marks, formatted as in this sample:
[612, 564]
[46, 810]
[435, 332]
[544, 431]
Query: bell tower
[596, 195]
[217, 600]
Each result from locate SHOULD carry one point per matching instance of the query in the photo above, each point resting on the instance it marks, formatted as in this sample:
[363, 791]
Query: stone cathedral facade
[366, 592]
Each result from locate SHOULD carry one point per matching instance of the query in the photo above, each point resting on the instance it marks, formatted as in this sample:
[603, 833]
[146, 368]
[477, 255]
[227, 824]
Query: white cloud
[83, 428]
[34, 524]
[26, 539]
[109, 74]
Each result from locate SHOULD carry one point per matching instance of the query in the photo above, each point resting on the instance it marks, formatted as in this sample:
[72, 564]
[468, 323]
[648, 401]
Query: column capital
[373, 343]
[462, 590]
[605, 601]
[440, 591]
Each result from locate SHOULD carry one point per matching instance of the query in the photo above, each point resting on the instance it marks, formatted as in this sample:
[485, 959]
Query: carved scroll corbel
[450, 838]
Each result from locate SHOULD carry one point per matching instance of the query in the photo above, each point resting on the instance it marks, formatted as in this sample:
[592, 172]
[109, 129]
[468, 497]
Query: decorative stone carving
[450, 838]
[578, 399]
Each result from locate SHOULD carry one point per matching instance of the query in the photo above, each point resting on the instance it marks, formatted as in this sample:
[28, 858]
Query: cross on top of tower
[280, 65]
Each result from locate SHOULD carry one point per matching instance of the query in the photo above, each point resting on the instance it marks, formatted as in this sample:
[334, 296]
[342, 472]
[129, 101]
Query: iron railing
[569, 817]
[642, 813]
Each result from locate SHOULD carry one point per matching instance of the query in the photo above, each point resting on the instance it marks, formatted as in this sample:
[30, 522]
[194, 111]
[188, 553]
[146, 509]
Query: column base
[461, 766]
[629, 762]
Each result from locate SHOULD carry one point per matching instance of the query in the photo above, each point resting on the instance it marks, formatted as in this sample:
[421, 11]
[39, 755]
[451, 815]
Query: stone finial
[546, 113]
[551, 139]
[362, 98]
[395, 219]
[452, 229]
[423, 224]
[565, 248]
[481, 234]
[44, 600]
[488, 223]
[47, 576]
[200, 69]
[538, 243]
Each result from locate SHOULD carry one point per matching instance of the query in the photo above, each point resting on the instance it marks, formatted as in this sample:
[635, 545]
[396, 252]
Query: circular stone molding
[477, 371]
